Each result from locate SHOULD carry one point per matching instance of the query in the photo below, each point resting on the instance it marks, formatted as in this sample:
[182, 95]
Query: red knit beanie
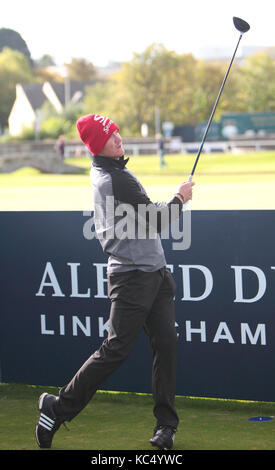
[94, 131]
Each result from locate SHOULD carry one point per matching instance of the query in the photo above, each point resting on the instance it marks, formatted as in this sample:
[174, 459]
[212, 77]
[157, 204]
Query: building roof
[34, 94]
[36, 97]
[74, 87]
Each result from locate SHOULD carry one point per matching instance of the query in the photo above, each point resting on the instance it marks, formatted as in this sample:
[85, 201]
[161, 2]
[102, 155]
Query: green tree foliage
[81, 70]
[155, 78]
[258, 84]
[99, 98]
[55, 124]
[183, 88]
[152, 79]
[45, 61]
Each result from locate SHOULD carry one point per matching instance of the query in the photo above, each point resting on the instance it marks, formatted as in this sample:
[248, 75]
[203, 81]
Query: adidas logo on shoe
[48, 422]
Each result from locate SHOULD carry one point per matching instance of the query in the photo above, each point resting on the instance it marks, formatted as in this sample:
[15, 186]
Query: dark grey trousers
[138, 300]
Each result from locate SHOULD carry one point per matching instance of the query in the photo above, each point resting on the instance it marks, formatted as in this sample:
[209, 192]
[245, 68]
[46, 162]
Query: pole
[213, 111]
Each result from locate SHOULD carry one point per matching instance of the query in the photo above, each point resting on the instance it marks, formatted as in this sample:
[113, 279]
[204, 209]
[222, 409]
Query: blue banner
[54, 305]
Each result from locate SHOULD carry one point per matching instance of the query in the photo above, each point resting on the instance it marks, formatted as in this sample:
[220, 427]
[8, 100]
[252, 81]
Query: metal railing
[74, 150]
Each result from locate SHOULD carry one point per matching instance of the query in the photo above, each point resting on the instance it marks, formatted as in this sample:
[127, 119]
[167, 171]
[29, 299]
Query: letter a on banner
[53, 282]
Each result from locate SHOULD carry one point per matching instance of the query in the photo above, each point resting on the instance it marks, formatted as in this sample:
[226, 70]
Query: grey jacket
[127, 223]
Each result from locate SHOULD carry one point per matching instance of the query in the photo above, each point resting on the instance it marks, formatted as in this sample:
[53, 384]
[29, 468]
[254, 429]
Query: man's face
[113, 147]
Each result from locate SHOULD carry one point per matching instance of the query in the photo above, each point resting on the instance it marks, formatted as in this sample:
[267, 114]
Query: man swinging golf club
[140, 287]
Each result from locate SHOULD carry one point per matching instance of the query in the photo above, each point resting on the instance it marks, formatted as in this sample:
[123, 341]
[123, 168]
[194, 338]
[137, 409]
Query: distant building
[109, 69]
[221, 53]
[31, 97]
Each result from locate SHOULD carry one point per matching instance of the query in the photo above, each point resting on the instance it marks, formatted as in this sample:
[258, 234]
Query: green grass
[223, 181]
[250, 165]
[121, 421]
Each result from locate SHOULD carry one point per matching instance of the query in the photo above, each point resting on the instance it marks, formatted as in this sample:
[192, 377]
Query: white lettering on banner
[44, 330]
[53, 282]
[239, 283]
[170, 267]
[74, 281]
[102, 327]
[260, 330]
[190, 331]
[50, 286]
[223, 333]
[101, 280]
[75, 326]
[62, 325]
[85, 329]
[186, 282]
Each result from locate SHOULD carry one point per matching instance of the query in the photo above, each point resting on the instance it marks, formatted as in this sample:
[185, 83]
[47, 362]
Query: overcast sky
[104, 30]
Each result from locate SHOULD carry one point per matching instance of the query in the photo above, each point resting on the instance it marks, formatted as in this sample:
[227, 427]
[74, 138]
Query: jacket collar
[106, 162]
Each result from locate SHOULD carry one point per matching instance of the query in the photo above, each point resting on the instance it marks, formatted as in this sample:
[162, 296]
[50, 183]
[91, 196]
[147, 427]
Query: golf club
[242, 26]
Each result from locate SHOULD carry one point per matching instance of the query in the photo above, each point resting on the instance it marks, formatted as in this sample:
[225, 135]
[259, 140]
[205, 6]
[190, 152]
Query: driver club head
[240, 25]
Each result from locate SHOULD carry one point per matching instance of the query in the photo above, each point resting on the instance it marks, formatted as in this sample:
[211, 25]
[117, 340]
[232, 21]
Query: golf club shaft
[213, 112]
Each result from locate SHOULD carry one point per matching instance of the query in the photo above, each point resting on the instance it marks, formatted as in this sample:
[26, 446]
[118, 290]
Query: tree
[258, 82]
[183, 88]
[151, 80]
[206, 85]
[154, 78]
[45, 71]
[11, 39]
[81, 70]
[55, 124]
[14, 68]
[45, 61]
[98, 98]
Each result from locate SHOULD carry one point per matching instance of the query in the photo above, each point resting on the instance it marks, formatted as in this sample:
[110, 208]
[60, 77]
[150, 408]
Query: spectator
[60, 147]
[161, 150]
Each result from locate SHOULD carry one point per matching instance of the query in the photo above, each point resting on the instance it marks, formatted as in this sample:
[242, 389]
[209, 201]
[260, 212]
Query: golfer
[140, 287]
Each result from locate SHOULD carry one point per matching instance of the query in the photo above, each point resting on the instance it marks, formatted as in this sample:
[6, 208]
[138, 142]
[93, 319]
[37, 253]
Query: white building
[31, 97]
